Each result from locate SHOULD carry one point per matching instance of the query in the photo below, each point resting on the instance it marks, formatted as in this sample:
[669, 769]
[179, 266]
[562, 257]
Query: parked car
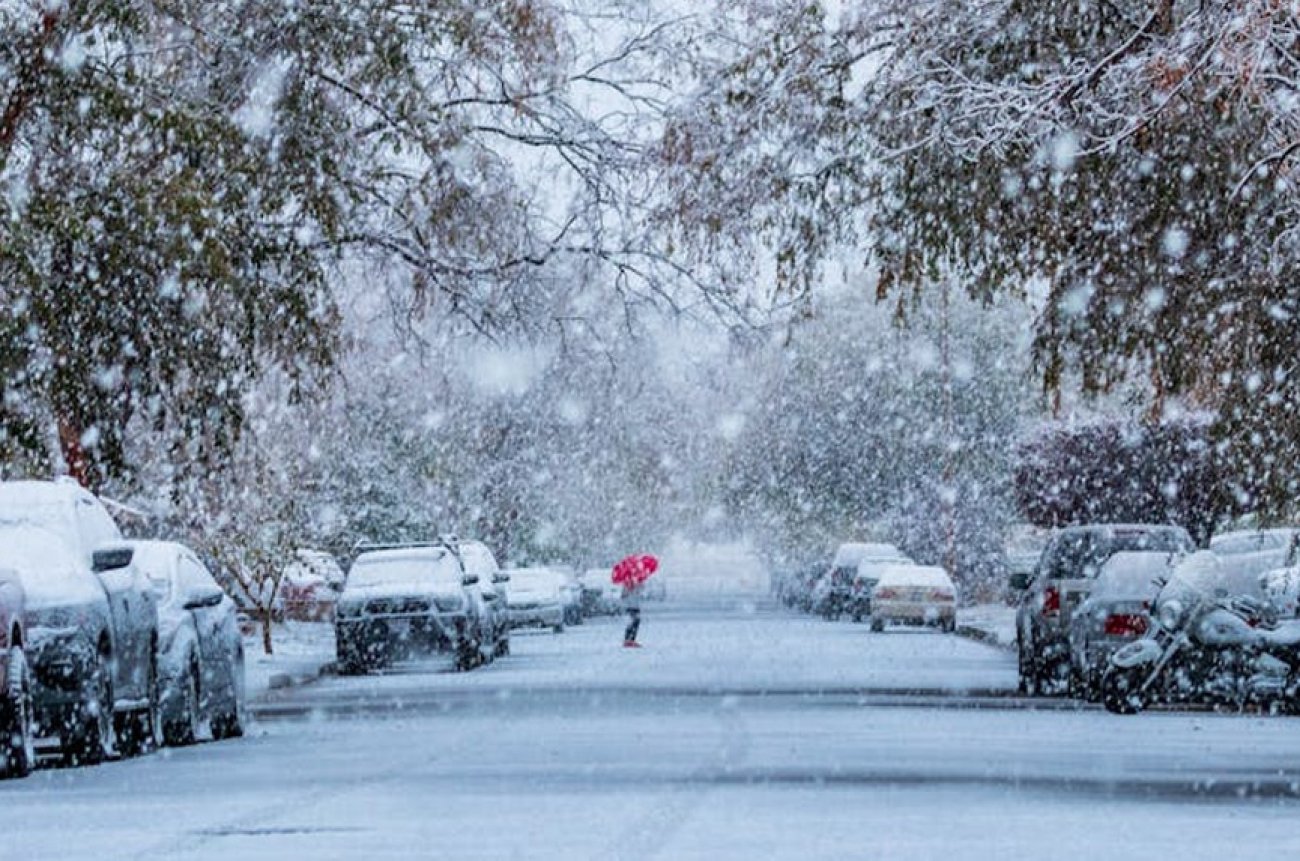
[863, 585]
[1258, 550]
[1117, 611]
[600, 597]
[309, 586]
[909, 594]
[406, 600]
[536, 599]
[487, 589]
[796, 589]
[201, 653]
[571, 590]
[17, 731]
[834, 589]
[1061, 581]
[92, 620]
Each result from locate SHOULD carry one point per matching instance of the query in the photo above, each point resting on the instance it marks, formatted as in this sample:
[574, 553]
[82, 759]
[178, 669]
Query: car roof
[1121, 527]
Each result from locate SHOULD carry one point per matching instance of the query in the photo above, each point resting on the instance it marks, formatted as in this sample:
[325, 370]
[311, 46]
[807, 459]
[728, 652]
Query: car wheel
[90, 738]
[467, 655]
[559, 629]
[185, 729]
[503, 646]
[1031, 683]
[18, 747]
[140, 731]
[230, 724]
[1121, 690]
[877, 625]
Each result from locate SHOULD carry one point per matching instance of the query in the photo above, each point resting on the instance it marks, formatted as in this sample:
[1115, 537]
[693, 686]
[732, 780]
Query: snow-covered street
[738, 731]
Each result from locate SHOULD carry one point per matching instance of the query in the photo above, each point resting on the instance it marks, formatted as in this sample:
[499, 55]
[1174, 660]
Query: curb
[981, 635]
[283, 681]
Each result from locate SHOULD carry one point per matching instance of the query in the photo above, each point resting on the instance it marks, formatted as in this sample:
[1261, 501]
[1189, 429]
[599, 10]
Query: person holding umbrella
[631, 575]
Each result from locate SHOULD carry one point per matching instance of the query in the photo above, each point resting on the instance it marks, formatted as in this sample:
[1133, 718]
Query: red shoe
[631, 644]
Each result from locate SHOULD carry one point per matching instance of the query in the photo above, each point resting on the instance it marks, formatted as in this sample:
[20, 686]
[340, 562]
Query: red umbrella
[634, 570]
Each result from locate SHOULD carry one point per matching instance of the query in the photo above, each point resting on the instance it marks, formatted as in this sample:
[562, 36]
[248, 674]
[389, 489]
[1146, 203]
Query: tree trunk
[74, 454]
[266, 629]
[27, 80]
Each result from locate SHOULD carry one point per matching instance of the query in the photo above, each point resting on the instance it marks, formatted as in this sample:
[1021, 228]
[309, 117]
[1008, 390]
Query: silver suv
[1062, 580]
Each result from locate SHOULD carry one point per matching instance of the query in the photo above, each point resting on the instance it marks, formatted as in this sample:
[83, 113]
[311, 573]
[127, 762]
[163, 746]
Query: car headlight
[449, 603]
[1170, 614]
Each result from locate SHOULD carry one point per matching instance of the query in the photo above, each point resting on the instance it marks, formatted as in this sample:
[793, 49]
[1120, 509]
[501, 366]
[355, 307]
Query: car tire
[90, 738]
[558, 629]
[18, 747]
[185, 730]
[1029, 674]
[140, 731]
[877, 625]
[503, 646]
[230, 724]
[467, 656]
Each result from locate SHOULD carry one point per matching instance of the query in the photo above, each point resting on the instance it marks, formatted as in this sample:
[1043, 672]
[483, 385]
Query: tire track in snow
[646, 836]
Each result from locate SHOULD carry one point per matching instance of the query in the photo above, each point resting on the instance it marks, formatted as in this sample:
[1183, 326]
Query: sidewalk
[994, 624]
[303, 652]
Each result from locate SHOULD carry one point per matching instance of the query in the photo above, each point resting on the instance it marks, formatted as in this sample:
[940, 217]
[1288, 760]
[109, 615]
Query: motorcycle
[1212, 640]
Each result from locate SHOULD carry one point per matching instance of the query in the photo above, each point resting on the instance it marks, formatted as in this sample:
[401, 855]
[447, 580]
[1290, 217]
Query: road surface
[739, 731]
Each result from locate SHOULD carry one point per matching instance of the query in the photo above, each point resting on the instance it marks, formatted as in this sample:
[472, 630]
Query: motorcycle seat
[1286, 634]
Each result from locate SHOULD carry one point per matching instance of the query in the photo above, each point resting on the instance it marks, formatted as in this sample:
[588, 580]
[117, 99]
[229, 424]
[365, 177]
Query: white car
[600, 597]
[91, 619]
[487, 588]
[1258, 550]
[914, 595]
[201, 654]
[536, 598]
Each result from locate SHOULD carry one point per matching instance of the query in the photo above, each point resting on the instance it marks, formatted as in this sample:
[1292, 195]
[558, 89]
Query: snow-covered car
[200, 651]
[17, 734]
[834, 590]
[571, 591]
[536, 598]
[92, 620]
[1061, 581]
[405, 600]
[600, 597]
[310, 586]
[863, 584]
[487, 590]
[1258, 550]
[1117, 611]
[908, 594]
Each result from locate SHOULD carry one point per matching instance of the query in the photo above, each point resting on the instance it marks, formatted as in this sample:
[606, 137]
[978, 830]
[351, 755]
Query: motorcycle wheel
[1121, 691]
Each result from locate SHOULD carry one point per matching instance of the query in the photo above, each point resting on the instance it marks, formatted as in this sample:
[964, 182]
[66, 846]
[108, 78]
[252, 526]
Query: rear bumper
[913, 612]
[546, 616]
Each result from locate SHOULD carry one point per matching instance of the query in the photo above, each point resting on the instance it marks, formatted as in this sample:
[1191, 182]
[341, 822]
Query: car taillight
[940, 595]
[1125, 625]
[1051, 601]
[887, 594]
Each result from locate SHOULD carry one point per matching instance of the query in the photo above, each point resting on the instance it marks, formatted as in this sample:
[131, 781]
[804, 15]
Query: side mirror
[469, 580]
[501, 577]
[1019, 581]
[111, 559]
[203, 598]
